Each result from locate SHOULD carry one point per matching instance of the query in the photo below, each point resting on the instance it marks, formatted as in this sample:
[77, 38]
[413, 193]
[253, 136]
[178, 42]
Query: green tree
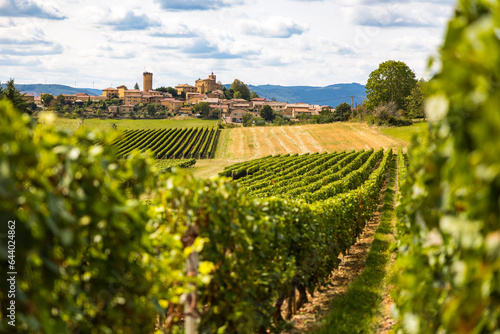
[46, 99]
[60, 99]
[228, 93]
[279, 120]
[247, 119]
[253, 95]
[172, 91]
[258, 121]
[14, 95]
[239, 86]
[202, 108]
[415, 102]
[151, 109]
[237, 95]
[393, 81]
[342, 112]
[136, 86]
[267, 113]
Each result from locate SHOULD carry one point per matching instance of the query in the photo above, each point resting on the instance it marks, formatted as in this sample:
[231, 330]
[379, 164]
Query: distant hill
[331, 95]
[37, 89]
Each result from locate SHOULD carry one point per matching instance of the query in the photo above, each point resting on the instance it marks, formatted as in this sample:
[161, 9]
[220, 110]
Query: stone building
[207, 85]
[147, 81]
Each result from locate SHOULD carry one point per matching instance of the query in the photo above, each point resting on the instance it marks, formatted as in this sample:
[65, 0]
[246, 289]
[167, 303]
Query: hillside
[241, 144]
[331, 95]
[54, 89]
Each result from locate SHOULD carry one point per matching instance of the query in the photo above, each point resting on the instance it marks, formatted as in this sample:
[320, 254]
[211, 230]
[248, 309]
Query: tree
[237, 95]
[228, 93]
[172, 91]
[343, 111]
[247, 119]
[202, 108]
[60, 99]
[258, 121]
[239, 86]
[46, 99]
[416, 100]
[151, 109]
[279, 120]
[325, 116]
[253, 95]
[392, 81]
[267, 113]
[136, 86]
[14, 95]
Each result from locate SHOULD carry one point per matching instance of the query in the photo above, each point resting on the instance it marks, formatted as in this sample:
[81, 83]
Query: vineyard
[102, 244]
[183, 143]
[256, 244]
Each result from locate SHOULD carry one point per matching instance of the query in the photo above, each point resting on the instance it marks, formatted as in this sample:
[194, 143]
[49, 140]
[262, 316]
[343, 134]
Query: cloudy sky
[284, 42]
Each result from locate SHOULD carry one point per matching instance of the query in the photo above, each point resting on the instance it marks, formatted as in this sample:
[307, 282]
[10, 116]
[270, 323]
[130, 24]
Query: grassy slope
[406, 133]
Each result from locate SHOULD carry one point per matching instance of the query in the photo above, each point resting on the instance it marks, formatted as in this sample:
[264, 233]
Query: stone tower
[147, 81]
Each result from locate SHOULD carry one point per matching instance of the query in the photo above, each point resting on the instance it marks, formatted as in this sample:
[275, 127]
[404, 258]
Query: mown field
[240, 144]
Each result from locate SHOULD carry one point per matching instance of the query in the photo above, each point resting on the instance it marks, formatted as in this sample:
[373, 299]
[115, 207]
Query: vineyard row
[184, 143]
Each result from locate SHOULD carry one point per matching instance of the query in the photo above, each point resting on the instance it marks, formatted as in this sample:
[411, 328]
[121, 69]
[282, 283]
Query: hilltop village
[122, 102]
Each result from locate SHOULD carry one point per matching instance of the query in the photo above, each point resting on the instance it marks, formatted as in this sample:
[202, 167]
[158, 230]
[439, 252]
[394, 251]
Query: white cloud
[191, 5]
[288, 42]
[27, 41]
[29, 8]
[274, 27]
[131, 21]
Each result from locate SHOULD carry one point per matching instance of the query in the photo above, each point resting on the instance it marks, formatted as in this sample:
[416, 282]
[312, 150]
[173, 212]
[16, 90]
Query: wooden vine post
[192, 316]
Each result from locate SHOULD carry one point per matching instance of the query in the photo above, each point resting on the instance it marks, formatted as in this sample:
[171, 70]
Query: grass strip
[358, 309]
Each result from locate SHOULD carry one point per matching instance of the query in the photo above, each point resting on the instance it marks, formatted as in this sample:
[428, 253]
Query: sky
[97, 44]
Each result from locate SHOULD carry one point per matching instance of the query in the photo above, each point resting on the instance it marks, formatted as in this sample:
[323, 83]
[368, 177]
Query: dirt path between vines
[386, 322]
[310, 316]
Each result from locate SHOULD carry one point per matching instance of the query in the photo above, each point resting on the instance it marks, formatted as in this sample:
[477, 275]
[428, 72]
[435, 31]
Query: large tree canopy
[239, 86]
[392, 81]
[267, 113]
[202, 108]
[342, 112]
